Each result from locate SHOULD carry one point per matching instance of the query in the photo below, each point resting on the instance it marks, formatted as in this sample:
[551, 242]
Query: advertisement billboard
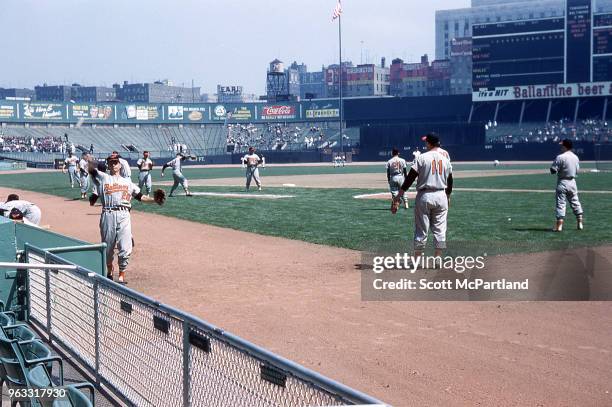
[42, 111]
[321, 110]
[8, 110]
[278, 112]
[91, 112]
[221, 112]
[140, 112]
[556, 91]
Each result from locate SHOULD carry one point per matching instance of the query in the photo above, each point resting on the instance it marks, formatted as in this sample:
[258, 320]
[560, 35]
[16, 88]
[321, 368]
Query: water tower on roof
[277, 84]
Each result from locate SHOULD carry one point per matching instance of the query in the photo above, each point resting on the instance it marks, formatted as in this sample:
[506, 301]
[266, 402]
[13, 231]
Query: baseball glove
[92, 199]
[395, 206]
[159, 196]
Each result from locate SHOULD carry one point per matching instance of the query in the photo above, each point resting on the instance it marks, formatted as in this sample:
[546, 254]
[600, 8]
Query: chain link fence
[150, 354]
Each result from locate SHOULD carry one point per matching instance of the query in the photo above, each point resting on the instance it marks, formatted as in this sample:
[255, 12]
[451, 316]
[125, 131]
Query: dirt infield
[303, 301]
[366, 180]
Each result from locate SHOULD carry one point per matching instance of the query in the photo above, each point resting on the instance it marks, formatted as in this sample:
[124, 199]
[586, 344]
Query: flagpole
[340, 86]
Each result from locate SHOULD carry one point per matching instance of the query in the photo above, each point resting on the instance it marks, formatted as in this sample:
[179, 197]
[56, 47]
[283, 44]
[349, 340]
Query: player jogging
[251, 161]
[115, 223]
[566, 166]
[433, 173]
[396, 174]
[71, 164]
[177, 174]
[145, 165]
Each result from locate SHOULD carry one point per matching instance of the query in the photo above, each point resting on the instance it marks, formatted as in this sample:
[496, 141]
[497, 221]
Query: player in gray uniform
[145, 165]
[30, 211]
[115, 223]
[396, 174]
[251, 161]
[433, 172]
[71, 164]
[84, 174]
[566, 166]
[177, 174]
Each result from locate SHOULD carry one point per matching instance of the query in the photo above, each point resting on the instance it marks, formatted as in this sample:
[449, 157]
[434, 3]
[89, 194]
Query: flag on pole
[337, 11]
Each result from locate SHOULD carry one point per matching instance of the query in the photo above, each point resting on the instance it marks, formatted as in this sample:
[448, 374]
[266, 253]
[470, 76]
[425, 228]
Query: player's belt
[431, 190]
[116, 208]
[567, 178]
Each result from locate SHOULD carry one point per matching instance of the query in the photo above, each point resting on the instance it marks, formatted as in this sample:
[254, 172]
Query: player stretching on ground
[177, 174]
[566, 166]
[71, 163]
[433, 173]
[145, 165]
[251, 161]
[115, 223]
[396, 174]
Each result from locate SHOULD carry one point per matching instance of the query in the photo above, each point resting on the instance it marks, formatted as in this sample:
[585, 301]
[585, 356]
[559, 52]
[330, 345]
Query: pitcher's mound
[247, 195]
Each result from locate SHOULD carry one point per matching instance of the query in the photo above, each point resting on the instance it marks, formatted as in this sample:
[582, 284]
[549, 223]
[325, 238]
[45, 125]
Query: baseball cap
[113, 158]
[251, 148]
[567, 143]
[16, 214]
[432, 139]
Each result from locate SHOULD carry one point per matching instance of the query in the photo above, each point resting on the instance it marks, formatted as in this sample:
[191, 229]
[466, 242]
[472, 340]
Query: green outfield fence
[150, 354]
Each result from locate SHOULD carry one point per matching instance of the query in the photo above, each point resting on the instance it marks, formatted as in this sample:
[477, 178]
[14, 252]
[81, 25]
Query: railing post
[96, 305]
[48, 299]
[186, 373]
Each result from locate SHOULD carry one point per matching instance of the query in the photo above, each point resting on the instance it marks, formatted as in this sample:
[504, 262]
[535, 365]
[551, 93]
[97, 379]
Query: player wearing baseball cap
[115, 223]
[566, 166]
[251, 161]
[396, 174]
[433, 172]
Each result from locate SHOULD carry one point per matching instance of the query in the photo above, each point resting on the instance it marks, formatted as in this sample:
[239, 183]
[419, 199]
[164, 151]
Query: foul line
[243, 195]
[545, 191]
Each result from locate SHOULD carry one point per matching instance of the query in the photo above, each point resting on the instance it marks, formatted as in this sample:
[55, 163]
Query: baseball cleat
[580, 225]
[559, 226]
[259, 188]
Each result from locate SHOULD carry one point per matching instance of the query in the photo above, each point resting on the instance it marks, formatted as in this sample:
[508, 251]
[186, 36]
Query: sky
[229, 42]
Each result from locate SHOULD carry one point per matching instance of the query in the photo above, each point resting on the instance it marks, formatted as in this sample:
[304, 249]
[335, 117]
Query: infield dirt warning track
[303, 301]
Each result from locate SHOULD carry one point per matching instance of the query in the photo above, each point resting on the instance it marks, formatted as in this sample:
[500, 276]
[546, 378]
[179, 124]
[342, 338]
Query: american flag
[337, 11]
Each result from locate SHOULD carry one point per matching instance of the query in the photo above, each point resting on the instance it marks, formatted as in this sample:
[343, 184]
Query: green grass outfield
[477, 220]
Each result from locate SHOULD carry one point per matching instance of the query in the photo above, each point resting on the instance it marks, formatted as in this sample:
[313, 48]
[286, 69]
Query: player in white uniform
[251, 161]
[84, 174]
[145, 165]
[126, 171]
[396, 174]
[177, 174]
[415, 154]
[115, 223]
[566, 166]
[30, 211]
[70, 163]
[433, 173]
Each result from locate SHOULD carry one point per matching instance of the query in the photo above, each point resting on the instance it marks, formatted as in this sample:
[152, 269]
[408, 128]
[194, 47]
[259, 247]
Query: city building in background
[93, 94]
[156, 92]
[282, 84]
[312, 84]
[457, 23]
[17, 94]
[54, 93]
[366, 80]
[420, 78]
[461, 66]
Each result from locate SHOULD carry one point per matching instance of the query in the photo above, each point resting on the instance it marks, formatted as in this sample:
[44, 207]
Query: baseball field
[280, 268]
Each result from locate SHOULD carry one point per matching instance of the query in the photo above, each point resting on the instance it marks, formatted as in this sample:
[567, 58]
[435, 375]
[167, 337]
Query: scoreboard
[602, 47]
[518, 52]
[576, 48]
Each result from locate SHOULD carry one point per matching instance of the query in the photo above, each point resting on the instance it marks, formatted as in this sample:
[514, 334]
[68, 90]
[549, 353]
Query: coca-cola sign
[278, 112]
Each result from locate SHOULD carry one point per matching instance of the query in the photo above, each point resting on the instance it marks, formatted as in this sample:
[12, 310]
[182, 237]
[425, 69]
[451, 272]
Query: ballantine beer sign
[569, 90]
[278, 112]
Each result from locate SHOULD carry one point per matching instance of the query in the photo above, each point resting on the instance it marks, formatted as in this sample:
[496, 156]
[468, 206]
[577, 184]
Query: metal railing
[151, 354]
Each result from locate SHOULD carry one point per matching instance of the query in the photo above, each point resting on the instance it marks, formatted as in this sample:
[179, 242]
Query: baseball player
[177, 174]
[145, 165]
[126, 171]
[84, 174]
[30, 211]
[251, 161]
[415, 154]
[433, 173]
[566, 166]
[396, 174]
[115, 224]
[71, 163]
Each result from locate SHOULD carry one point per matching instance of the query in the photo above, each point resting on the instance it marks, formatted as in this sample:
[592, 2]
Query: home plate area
[243, 195]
